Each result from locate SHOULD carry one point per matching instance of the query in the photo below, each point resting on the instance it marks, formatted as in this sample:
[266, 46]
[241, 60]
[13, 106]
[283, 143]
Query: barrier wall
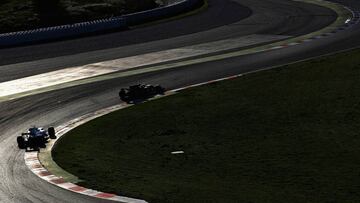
[78, 29]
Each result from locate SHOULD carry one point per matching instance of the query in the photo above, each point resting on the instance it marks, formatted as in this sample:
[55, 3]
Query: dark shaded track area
[218, 14]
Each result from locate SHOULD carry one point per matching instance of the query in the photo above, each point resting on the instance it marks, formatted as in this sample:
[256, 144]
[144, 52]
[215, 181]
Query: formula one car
[140, 92]
[35, 138]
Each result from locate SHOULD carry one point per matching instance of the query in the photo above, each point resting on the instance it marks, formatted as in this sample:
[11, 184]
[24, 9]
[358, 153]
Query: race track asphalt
[227, 20]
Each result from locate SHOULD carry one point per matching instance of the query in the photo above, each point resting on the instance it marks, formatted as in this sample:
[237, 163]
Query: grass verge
[284, 135]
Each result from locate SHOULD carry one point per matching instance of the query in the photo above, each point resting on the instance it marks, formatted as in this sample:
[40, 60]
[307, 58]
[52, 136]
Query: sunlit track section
[91, 70]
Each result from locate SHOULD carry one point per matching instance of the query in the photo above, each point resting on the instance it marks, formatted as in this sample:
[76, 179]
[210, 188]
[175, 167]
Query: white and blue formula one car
[35, 138]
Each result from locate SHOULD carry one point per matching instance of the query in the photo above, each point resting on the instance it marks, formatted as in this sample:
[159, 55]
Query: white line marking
[178, 152]
[293, 43]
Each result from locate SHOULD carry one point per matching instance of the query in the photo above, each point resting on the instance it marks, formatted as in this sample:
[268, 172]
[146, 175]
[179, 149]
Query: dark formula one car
[35, 138]
[140, 92]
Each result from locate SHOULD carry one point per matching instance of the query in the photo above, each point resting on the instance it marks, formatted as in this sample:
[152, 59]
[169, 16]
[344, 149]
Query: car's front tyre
[51, 132]
[21, 142]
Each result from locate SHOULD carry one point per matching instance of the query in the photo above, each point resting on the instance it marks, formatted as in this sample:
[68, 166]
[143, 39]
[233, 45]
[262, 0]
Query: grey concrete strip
[82, 72]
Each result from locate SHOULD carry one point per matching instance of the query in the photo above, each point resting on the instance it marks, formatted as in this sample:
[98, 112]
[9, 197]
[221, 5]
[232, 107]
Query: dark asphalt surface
[281, 17]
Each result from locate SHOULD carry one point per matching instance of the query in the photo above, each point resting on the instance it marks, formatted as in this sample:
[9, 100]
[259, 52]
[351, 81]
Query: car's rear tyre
[160, 90]
[51, 132]
[21, 142]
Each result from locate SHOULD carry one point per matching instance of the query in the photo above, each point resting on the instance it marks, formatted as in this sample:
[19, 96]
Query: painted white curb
[33, 163]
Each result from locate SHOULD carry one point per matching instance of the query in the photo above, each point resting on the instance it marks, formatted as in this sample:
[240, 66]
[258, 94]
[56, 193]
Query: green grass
[285, 135]
[18, 15]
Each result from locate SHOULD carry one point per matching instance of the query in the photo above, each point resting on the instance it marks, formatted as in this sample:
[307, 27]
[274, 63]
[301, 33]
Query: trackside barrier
[63, 31]
[78, 29]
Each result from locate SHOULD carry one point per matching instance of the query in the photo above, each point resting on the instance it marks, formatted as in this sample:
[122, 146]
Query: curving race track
[224, 19]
